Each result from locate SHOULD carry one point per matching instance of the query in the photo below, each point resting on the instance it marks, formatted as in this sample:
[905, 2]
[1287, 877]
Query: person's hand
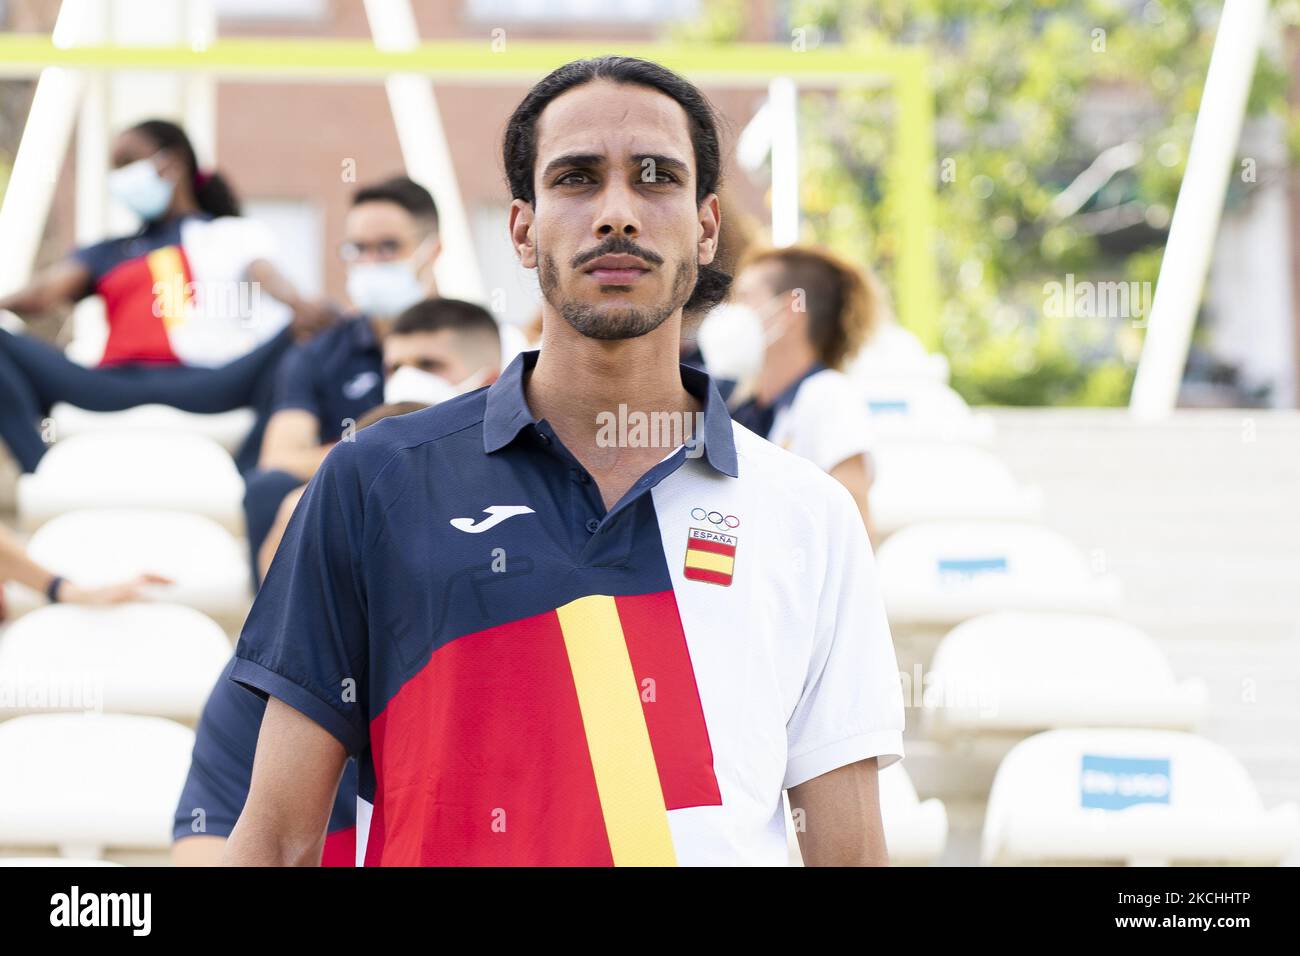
[311, 316]
[118, 593]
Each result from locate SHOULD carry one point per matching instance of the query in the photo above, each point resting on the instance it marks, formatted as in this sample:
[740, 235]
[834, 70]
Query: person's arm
[15, 565]
[60, 284]
[854, 473]
[199, 850]
[840, 816]
[305, 650]
[291, 443]
[309, 315]
[266, 553]
[296, 774]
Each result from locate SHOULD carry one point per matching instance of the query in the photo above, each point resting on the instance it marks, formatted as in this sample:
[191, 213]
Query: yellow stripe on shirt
[627, 778]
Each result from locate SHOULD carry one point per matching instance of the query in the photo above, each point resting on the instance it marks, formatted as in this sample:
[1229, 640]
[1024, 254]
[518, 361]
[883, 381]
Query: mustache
[616, 246]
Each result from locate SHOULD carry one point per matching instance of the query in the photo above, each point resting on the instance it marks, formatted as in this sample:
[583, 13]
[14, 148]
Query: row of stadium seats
[1090, 735]
[1080, 711]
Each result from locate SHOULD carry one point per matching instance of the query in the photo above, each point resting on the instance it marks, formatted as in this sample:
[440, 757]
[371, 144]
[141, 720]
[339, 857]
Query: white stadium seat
[893, 352]
[943, 572]
[167, 471]
[157, 659]
[227, 429]
[934, 481]
[1130, 796]
[1023, 672]
[916, 831]
[915, 409]
[208, 565]
[91, 781]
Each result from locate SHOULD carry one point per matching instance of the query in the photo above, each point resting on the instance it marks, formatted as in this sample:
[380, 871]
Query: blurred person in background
[735, 237]
[390, 245]
[435, 350]
[796, 315]
[181, 297]
[15, 565]
[221, 764]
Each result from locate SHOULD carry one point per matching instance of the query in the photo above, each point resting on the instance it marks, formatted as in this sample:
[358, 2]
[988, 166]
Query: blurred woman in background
[795, 317]
[181, 297]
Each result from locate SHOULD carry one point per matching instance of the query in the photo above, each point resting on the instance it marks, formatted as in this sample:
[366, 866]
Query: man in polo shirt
[547, 646]
[325, 385]
[434, 350]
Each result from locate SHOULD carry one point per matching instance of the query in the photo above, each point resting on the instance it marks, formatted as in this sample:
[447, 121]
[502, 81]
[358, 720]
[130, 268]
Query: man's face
[131, 145]
[753, 287]
[381, 232]
[615, 234]
[433, 352]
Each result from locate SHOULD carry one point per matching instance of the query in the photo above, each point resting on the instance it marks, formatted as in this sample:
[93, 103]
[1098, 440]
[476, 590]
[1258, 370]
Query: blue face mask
[140, 188]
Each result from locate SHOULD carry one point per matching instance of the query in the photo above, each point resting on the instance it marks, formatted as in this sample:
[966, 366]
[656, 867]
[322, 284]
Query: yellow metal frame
[905, 70]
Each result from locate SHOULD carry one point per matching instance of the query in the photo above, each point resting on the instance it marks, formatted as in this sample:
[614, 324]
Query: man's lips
[617, 270]
[617, 276]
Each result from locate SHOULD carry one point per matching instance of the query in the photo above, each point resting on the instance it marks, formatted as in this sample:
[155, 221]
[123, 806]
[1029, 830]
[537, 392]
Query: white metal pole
[40, 156]
[1196, 215]
[783, 101]
[425, 150]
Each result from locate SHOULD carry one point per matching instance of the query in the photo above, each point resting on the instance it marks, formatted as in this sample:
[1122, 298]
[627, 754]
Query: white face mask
[384, 289]
[732, 338]
[410, 384]
[141, 188]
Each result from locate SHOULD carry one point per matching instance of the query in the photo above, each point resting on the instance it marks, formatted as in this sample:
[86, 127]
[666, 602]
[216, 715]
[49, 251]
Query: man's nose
[617, 213]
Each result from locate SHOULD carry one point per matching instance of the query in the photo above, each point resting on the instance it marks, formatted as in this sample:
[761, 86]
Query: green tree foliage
[1028, 94]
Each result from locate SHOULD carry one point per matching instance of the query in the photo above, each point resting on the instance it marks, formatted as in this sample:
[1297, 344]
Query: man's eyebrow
[572, 159]
[667, 162]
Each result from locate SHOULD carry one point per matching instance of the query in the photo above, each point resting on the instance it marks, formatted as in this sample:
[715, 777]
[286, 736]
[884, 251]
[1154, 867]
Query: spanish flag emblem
[710, 556]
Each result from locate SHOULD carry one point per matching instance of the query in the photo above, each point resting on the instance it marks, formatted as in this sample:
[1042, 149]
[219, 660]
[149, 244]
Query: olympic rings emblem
[715, 518]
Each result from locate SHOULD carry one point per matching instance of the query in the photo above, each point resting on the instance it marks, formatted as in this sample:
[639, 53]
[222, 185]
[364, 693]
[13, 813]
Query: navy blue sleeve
[98, 258]
[305, 641]
[222, 763]
[295, 382]
[221, 768]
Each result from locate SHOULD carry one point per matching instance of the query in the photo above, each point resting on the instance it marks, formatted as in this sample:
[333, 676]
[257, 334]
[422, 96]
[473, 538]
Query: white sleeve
[255, 239]
[851, 707]
[831, 423]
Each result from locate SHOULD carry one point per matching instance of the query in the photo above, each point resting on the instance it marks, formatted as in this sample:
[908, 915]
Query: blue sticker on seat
[971, 567]
[887, 407]
[1113, 783]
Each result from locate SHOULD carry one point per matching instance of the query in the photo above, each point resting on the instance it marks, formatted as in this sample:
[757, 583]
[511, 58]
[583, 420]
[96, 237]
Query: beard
[626, 323]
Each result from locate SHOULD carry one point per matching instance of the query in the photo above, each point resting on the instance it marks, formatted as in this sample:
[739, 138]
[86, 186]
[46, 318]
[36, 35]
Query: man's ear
[521, 233]
[710, 228]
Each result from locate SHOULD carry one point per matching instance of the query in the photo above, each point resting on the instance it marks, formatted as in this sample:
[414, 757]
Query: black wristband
[52, 589]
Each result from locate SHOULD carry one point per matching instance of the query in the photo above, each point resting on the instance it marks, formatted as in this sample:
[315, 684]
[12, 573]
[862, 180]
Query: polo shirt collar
[507, 413]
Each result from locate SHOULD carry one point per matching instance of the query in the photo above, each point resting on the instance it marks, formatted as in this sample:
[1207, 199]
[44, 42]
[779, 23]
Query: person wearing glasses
[324, 386]
[187, 322]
